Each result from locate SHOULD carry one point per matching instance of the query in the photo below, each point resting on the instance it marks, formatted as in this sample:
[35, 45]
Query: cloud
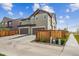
[47, 8]
[7, 7]
[27, 7]
[61, 21]
[63, 18]
[67, 10]
[21, 13]
[43, 7]
[42, 4]
[10, 13]
[36, 6]
[67, 17]
[60, 17]
[73, 7]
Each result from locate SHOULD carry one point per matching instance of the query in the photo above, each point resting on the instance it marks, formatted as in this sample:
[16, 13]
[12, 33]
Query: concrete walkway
[71, 48]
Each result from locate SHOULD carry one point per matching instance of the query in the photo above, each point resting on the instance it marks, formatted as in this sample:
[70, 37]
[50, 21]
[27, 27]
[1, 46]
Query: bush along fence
[8, 32]
[51, 36]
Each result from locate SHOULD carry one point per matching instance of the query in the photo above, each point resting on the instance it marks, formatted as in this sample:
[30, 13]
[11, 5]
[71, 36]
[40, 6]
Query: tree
[65, 29]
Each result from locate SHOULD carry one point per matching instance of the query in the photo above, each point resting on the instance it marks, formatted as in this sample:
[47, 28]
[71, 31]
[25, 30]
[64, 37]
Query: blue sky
[66, 14]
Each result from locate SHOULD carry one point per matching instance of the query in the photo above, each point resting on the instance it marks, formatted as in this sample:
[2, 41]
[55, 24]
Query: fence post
[19, 31]
[54, 41]
[51, 40]
[59, 41]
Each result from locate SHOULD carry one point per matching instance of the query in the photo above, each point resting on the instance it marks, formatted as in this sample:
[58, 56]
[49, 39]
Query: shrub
[2, 54]
[63, 42]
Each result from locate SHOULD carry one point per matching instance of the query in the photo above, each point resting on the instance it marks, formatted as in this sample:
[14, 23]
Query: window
[6, 23]
[9, 23]
[44, 16]
[36, 18]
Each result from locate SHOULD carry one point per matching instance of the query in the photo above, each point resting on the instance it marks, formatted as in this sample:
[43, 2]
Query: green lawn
[77, 38]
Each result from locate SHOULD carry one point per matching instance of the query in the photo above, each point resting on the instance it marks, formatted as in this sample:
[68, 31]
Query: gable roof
[40, 10]
[50, 14]
[10, 19]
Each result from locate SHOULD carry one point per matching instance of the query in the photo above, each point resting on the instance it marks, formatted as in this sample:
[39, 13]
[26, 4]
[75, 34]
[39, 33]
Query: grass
[2, 54]
[77, 38]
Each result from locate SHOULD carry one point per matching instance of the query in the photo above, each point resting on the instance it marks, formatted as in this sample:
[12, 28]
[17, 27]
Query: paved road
[23, 46]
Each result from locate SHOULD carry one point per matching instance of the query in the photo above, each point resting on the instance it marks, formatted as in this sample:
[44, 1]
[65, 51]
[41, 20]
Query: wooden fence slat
[55, 34]
[8, 32]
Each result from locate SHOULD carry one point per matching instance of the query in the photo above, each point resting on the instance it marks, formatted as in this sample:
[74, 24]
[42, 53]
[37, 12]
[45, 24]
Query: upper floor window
[10, 23]
[36, 18]
[45, 16]
[6, 23]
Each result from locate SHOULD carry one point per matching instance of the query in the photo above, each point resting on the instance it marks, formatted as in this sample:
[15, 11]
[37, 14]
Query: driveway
[22, 45]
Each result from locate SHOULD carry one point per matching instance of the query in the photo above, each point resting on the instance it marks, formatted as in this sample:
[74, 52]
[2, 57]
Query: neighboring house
[10, 23]
[39, 20]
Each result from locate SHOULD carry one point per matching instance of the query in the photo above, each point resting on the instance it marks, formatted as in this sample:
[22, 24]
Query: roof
[25, 19]
[50, 14]
[38, 10]
[10, 19]
[35, 13]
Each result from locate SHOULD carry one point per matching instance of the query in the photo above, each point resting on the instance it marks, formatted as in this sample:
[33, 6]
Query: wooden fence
[45, 35]
[8, 32]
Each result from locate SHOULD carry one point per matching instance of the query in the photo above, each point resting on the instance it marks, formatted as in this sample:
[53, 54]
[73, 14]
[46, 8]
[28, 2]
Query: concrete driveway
[22, 45]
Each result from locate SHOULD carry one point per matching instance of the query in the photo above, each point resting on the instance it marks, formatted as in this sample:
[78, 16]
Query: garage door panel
[24, 31]
[36, 29]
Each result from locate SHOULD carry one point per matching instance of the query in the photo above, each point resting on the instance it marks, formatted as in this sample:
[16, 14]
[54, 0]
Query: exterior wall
[27, 21]
[5, 22]
[39, 20]
[53, 22]
[49, 23]
[15, 23]
[42, 20]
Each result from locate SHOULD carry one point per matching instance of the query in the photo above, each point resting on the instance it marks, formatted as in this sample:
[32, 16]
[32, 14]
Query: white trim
[23, 27]
[39, 27]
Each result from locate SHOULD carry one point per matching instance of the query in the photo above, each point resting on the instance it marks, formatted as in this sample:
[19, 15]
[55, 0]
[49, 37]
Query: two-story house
[39, 20]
